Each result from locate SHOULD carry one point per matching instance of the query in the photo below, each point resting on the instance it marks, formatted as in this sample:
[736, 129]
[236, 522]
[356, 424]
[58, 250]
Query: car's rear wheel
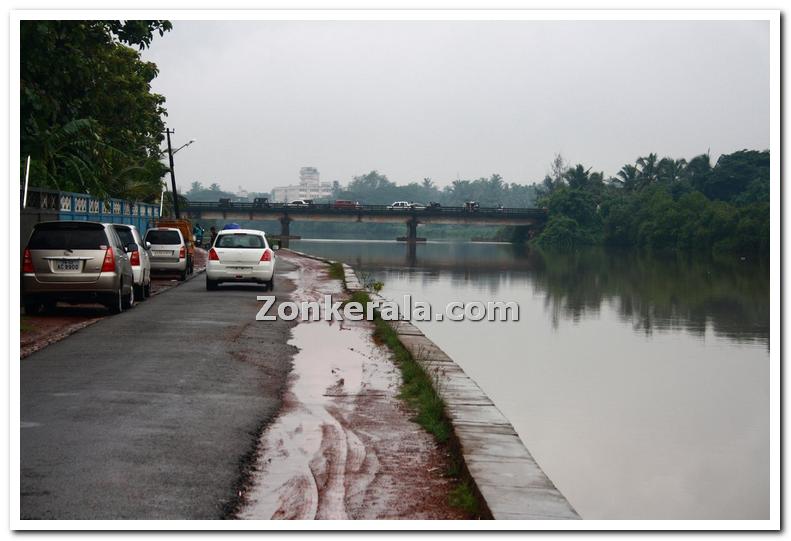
[129, 300]
[270, 285]
[211, 285]
[140, 292]
[183, 275]
[116, 302]
[147, 289]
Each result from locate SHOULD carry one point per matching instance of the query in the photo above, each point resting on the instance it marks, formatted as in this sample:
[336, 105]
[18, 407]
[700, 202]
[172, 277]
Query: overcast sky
[448, 99]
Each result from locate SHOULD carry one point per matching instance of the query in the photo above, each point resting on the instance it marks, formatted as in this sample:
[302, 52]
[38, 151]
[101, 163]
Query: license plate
[68, 265]
[241, 269]
[163, 252]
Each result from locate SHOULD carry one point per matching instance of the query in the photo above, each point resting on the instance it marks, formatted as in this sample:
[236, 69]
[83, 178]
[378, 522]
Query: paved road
[152, 413]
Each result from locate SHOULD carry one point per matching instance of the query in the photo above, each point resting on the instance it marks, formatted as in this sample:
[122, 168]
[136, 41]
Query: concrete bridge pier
[285, 231]
[411, 232]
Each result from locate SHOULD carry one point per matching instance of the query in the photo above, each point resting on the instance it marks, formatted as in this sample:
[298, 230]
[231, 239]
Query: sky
[450, 100]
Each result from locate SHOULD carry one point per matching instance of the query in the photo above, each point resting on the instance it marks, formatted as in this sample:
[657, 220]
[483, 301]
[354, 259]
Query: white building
[309, 187]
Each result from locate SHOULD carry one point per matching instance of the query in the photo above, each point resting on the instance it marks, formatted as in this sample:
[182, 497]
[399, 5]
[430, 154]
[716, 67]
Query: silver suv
[76, 262]
[168, 250]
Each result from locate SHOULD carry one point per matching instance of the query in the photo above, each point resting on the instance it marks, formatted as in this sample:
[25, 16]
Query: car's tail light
[27, 262]
[213, 255]
[182, 252]
[267, 255]
[134, 260]
[108, 265]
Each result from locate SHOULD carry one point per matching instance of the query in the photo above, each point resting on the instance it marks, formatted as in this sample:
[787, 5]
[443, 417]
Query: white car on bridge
[240, 255]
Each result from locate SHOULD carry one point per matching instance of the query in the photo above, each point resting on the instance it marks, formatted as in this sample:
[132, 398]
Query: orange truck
[185, 226]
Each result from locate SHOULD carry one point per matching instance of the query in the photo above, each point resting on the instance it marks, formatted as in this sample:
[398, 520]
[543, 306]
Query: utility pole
[168, 131]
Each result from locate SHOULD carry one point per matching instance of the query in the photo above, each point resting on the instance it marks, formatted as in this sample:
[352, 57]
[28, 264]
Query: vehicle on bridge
[139, 259]
[261, 202]
[432, 205]
[405, 205]
[240, 255]
[168, 251]
[472, 206]
[301, 203]
[77, 262]
[345, 204]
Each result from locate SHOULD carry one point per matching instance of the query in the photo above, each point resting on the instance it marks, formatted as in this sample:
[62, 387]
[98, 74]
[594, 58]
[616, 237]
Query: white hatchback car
[240, 255]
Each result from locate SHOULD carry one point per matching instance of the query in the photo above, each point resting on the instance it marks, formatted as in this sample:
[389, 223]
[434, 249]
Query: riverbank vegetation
[662, 203]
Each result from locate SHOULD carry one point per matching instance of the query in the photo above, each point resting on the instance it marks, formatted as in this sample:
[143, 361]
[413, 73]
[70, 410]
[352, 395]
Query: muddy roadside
[343, 445]
[39, 331]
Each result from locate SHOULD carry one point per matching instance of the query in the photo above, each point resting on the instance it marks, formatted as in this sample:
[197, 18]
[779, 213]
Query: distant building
[309, 187]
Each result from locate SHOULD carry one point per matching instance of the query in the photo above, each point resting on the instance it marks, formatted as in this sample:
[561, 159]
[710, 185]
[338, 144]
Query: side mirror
[131, 247]
[148, 245]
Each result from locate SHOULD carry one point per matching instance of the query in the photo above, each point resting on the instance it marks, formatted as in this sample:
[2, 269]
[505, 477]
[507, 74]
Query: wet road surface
[151, 414]
[343, 446]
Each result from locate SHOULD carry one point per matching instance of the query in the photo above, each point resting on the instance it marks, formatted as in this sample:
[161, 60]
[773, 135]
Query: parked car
[240, 255]
[433, 206]
[345, 204]
[417, 206]
[140, 259]
[399, 205]
[168, 250]
[76, 262]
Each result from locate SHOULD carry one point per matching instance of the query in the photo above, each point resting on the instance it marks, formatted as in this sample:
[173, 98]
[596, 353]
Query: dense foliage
[88, 117]
[663, 204]
[375, 188]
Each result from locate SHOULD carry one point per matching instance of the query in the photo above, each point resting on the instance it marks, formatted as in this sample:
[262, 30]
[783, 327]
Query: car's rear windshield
[125, 234]
[239, 240]
[66, 236]
[157, 236]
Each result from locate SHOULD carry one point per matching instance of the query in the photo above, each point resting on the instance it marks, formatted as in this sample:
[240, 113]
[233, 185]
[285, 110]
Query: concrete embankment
[511, 483]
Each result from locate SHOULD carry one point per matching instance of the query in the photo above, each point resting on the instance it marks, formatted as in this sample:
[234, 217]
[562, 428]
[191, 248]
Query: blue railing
[79, 206]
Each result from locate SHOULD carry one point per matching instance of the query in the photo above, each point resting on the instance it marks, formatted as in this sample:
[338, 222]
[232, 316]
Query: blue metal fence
[80, 206]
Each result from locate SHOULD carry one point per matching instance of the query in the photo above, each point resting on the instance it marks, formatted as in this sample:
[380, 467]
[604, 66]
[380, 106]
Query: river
[640, 383]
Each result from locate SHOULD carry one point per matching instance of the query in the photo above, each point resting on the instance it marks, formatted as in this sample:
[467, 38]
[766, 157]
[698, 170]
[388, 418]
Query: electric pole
[168, 131]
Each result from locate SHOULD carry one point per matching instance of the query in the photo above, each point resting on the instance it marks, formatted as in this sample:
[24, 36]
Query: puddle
[342, 446]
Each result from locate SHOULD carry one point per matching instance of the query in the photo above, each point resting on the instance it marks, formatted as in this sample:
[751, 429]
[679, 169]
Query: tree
[84, 73]
[646, 170]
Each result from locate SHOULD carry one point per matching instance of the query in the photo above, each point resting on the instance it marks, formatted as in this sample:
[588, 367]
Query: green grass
[463, 497]
[417, 389]
[336, 271]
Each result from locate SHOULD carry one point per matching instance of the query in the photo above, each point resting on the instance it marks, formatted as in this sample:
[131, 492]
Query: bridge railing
[330, 208]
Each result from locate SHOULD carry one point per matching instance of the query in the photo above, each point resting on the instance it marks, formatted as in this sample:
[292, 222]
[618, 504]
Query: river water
[639, 383]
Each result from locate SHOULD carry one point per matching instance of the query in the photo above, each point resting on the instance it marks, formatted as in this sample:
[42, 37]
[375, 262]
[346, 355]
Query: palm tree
[670, 170]
[577, 177]
[627, 177]
[647, 169]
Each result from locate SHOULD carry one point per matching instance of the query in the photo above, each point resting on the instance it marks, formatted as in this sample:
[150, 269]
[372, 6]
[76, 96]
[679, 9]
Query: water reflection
[653, 292]
[639, 382]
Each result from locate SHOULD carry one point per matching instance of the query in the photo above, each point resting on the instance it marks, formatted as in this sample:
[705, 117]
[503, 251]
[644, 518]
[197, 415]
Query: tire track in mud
[343, 446]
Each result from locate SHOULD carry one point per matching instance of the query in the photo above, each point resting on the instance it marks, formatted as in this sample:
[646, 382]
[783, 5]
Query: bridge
[329, 212]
